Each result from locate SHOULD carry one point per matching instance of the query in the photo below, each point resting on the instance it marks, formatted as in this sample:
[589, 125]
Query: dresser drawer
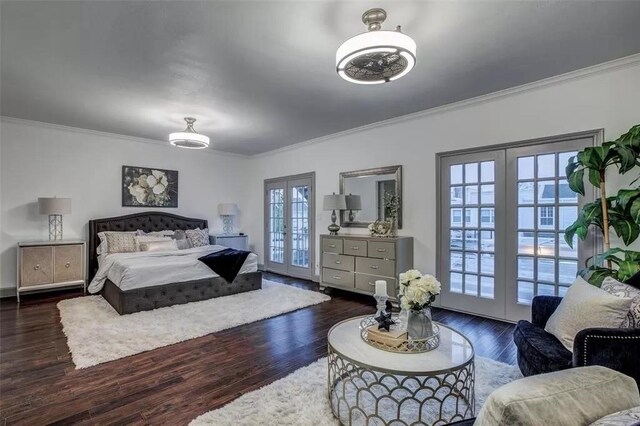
[382, 267]
[332, 245]
[67, 263]
[355, 247]
[367, 283]
[37, 266]
[338, 261]
[337, 278]
[381, 249]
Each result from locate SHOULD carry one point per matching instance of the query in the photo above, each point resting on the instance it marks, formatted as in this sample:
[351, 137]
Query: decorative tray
[396, 340]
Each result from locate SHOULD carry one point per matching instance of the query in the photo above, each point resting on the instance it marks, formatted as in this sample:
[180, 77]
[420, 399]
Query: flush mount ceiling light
[376, 56]
[189, 138]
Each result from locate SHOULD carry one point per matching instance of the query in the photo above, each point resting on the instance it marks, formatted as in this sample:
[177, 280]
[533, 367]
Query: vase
[419, 323]
[403, 315]
[393, 231]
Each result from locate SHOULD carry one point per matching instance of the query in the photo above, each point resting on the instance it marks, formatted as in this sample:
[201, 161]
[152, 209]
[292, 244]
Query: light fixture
[334, 202]
[54, 207]
[376, 56]
[227, 211]
[189, 138]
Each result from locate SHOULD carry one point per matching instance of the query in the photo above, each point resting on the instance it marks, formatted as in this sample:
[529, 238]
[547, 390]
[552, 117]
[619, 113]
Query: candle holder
[381, 304]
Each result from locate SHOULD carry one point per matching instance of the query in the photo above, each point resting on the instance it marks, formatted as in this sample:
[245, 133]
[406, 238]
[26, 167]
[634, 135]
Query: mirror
[370, 185]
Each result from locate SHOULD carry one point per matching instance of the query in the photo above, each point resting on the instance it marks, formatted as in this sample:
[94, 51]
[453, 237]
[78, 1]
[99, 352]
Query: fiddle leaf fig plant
[620, 211]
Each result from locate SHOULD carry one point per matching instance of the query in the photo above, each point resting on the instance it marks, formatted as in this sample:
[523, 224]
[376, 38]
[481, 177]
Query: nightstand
[51, 264]
[236, 241]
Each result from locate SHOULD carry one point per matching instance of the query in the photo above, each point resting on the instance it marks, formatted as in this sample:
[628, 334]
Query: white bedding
[145, 269]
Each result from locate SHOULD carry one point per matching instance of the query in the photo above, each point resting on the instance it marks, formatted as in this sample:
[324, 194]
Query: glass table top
[454, 351]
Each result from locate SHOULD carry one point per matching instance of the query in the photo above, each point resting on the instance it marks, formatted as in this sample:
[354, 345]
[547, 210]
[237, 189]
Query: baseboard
[7, 292]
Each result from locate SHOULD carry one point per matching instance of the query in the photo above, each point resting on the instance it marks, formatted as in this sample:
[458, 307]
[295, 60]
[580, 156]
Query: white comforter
[145, 269]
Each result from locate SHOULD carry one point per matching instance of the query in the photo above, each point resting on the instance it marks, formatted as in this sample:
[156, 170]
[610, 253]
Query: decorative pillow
[586, 306]
[167, 245]
[183, 244]
[615, 287]
[140, 239]
[630, 417]
[198, 237]
[116, 242]
[577, 396]
[179, 234]
[165, 233]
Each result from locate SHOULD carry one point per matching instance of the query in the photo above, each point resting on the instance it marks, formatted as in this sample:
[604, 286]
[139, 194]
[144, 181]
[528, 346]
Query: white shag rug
[96, 333]
[300, 399]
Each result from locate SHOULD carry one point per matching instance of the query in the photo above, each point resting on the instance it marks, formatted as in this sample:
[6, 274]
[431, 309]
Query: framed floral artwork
[147, 187]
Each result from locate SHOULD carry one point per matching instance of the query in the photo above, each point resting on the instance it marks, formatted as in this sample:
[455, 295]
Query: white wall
[605, 97]
[42, 160]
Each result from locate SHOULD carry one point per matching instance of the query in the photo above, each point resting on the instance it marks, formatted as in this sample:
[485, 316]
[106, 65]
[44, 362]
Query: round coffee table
[369, 386]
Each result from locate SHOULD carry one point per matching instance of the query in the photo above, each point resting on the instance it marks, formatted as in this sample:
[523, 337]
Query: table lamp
[227, 211]
[353, 203]
[334, 202]
[55, 208]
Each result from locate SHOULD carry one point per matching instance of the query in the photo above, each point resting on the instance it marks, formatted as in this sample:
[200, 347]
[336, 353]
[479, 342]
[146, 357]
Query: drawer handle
[374, 267]
[335, 277]
[381, 250]
[355, 248]
[372, 284]
[37, 267]
[67, 265]
[332, 245]
[338, 262]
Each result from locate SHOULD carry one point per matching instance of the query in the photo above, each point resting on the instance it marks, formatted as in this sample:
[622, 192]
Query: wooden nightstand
[236, 241]
[51, 264]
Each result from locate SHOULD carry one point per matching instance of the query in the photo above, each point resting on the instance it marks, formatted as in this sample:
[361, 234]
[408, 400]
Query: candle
[381, 288]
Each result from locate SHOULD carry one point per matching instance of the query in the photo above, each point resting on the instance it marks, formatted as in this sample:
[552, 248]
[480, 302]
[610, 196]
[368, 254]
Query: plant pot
[419, 324]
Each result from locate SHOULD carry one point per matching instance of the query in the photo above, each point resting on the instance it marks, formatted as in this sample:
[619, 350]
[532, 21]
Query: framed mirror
[369, 188]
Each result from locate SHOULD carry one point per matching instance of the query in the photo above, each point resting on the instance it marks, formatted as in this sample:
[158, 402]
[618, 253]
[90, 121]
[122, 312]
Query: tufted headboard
[148, 222]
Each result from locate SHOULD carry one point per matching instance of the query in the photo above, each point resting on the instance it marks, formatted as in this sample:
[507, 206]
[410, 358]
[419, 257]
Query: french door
[502, 220]
[289, 236]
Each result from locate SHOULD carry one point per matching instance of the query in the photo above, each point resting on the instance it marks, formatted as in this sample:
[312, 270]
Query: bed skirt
[160, 296]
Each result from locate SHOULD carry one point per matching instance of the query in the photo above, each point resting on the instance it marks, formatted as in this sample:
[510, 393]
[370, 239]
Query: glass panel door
[470, 188]
[275, 227]
[300, 204]
[289, 233]
[542, 205]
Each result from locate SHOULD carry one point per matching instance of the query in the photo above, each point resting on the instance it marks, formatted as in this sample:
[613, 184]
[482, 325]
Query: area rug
[300, 399]
[96, 333]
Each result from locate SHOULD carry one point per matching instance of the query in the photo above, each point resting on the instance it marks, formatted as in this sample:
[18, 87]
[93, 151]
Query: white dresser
[354, 263]
[50, 264]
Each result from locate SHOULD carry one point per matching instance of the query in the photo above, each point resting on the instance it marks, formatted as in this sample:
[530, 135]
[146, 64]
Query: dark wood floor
[172, 385]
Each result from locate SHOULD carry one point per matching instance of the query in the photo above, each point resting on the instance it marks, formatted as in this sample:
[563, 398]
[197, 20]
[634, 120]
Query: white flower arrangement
[418, 291]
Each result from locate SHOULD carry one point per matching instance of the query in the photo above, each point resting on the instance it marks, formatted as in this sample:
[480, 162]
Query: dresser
[354, 263]
[236, 241]
[51, 264]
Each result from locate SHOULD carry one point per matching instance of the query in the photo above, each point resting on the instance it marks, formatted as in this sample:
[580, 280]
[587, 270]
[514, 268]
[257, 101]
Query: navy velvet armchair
[540, 352]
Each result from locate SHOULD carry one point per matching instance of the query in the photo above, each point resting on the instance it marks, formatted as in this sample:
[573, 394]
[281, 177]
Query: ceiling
[260, 75]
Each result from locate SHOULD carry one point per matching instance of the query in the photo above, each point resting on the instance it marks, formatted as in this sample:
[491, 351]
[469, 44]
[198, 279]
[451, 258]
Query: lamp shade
[227, 209]
[354, 202]
[54, 205]
[334, 202]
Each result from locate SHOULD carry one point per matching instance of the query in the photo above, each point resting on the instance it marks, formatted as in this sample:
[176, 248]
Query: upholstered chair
[540, 352]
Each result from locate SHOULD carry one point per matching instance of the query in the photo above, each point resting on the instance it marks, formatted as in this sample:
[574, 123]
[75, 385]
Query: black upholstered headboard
[148, 222]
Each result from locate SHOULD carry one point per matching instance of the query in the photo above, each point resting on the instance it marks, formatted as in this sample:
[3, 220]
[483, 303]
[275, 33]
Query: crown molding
[157, 143]
[627, 61]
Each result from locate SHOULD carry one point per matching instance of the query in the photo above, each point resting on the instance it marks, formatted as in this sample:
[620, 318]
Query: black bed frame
[148, 298]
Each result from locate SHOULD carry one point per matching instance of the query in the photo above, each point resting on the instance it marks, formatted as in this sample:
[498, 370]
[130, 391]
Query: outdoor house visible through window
[516, 203]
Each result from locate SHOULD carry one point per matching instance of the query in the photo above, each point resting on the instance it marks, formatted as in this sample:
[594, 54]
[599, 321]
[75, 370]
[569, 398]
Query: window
[546, 216]
[501, 230]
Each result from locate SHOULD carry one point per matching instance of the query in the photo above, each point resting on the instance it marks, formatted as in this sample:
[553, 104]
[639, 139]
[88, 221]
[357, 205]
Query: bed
[138, 296]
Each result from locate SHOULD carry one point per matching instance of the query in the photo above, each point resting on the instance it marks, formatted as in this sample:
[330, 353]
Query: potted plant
[620, 211]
